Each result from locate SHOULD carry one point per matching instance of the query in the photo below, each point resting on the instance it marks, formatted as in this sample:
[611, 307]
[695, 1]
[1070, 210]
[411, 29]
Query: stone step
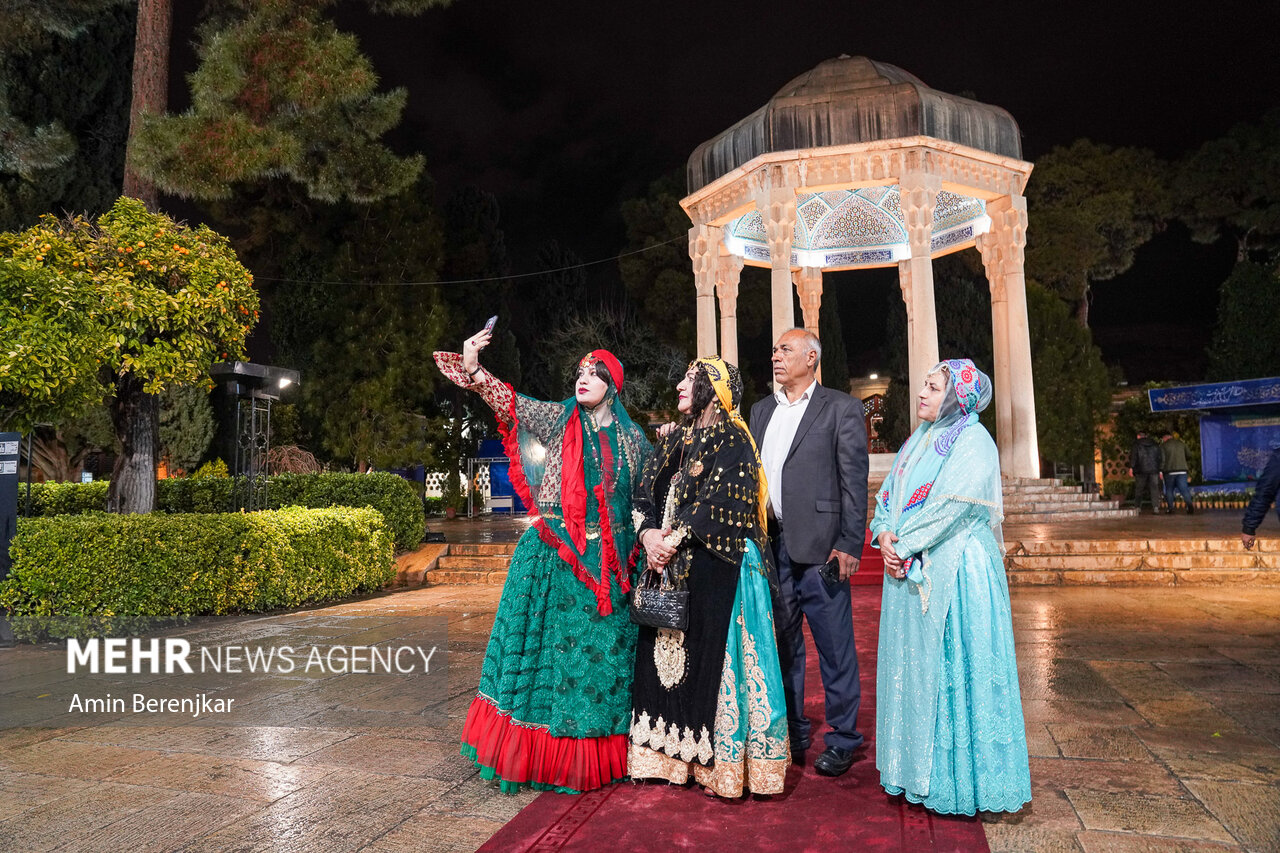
[412, 567]
[1076, 546]
[1144, 577]
[1071, 496]
[1041, 490]
[1136, 561]
[1067, 508]
[1142, 562]
[481, 563]
[1057, 515]
[466, 576]
[1033, 481]
[481, 549]
[1042, 503]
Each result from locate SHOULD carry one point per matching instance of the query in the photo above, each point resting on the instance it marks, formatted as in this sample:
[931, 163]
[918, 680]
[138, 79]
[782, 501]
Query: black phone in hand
[830, 570]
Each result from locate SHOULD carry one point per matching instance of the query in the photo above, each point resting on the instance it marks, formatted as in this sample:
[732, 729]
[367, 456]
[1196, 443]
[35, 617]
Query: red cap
[610, 361]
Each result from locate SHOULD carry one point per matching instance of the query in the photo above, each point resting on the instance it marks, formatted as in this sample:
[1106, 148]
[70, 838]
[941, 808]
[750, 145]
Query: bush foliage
[390, 495]
[112, 575]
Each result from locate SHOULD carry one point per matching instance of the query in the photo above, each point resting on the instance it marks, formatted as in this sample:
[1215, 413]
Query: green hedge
[64, 498]
[114, 575]
[390, 495]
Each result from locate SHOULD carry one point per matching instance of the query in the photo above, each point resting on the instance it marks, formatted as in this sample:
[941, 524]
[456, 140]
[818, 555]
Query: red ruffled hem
[526, 755]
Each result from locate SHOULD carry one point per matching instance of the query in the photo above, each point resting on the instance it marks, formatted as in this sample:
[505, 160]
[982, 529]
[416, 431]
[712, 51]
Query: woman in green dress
[554, 704]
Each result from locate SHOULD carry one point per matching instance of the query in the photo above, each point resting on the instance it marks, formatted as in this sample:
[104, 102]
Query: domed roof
[847, 100]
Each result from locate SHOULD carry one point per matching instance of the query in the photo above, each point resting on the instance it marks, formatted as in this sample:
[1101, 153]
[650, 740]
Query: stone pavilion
[858, 164]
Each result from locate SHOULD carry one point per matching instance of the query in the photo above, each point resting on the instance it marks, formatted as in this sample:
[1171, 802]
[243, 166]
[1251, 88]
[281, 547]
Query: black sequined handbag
[656, 604]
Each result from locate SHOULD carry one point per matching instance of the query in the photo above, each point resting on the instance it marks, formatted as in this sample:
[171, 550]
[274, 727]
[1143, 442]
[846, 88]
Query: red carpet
[815, 812]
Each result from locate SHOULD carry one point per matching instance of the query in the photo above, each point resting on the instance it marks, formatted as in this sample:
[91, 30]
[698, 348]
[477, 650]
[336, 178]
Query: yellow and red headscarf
[719, 372]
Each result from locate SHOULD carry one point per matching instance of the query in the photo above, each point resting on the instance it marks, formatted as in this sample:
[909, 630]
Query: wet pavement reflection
[1153, 718]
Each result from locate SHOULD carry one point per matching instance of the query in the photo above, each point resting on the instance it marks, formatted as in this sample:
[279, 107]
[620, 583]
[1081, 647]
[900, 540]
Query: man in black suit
[813, 446]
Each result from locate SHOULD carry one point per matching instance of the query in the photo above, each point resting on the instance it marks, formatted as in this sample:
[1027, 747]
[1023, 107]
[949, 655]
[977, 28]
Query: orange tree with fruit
[118, 308]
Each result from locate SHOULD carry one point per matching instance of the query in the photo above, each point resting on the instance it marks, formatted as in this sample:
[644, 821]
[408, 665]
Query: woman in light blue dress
[949, 728]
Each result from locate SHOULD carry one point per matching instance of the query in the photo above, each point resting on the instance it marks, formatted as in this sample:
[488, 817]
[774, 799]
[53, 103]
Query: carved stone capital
[808, 282]
[778, 211]
[1003, 246]
[1009, 225]
[919, 194]
[704, 251]
[728, 274]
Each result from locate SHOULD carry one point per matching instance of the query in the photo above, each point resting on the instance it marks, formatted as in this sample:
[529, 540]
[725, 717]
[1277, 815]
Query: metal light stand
[253, 444]
[253, 387]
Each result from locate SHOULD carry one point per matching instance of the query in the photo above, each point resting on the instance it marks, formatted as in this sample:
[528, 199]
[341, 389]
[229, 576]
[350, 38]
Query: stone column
[728, 273]
[704, 251]
[1006, 241]
[808, 281]
[919, 192]
[778, 209]
[989, 246]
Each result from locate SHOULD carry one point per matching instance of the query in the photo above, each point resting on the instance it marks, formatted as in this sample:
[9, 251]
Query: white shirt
[777, 440]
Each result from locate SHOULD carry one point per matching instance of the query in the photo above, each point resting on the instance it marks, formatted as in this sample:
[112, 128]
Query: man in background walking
[1144, 466]
[1173, 465]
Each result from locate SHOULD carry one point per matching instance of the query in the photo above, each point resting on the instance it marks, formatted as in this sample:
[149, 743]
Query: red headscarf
[573, 482]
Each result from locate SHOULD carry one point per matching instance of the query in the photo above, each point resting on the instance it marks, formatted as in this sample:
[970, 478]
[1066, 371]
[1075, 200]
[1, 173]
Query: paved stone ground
[1153, 717]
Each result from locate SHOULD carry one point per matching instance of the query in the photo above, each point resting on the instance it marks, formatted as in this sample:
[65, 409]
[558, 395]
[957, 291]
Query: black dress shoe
[798, 750]
[834, 761]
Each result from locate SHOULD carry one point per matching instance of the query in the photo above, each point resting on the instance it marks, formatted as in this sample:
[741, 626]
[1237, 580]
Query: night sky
[565, 108]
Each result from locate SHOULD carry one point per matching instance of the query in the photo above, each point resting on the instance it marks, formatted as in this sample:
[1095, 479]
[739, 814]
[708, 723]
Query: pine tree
[279, 91]
[1246, 340]
[64, 68]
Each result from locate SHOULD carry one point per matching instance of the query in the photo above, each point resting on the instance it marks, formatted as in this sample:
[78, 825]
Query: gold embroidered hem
[763, 776]
[724, 779]
[668, 738]
[646, 763]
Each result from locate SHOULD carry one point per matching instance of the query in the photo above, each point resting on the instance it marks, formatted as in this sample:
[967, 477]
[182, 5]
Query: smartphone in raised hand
[488, 325]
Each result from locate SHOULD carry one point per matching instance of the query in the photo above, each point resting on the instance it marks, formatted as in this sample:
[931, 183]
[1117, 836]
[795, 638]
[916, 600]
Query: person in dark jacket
[1263, 497]
[1173, 466]
[1144, 465]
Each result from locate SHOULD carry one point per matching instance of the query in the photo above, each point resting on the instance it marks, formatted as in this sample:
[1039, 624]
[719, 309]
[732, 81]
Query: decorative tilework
[858, 227]
[870, 256]
[813, 210]
[951, 210]
[951, 238]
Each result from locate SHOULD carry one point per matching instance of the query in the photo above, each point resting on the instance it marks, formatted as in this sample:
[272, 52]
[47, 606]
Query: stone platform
[1149, 550]
[1074, 548]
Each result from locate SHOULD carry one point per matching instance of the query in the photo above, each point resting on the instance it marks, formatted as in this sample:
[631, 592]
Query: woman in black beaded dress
[707, 701]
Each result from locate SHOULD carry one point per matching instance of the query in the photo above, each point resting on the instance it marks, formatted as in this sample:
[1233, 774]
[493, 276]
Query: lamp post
[254, 387]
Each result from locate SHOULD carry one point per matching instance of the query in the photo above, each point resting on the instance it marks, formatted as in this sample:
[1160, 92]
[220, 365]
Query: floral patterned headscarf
[917, 464]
